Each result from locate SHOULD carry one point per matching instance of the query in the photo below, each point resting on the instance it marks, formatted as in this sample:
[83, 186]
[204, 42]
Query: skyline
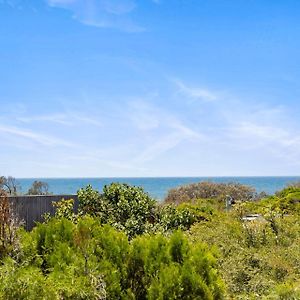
[105, 88]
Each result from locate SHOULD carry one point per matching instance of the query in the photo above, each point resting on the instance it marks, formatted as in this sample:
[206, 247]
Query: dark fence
[30, 209]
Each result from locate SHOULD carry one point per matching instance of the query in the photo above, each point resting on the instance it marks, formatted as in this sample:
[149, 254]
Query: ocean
[157, 187]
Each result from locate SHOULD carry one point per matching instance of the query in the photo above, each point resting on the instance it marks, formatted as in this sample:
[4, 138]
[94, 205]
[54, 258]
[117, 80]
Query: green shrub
[24, 282]
[65, 209]
[211, 190]
[90, 201]
[123, 206]
[256, 261]
[86, 260]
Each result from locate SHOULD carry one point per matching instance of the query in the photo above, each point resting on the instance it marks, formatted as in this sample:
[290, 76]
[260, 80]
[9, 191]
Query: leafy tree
[210, 190]
[92, 202]
[10, 185]
[125, 207]
[39, 188]
[130, 209]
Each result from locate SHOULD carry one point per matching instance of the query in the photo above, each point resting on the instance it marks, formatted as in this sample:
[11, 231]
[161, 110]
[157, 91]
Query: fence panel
[31, 209]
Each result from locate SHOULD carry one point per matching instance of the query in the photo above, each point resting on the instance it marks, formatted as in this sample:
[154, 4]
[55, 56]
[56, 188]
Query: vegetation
[9, 224]
[259, 257]
[38, 188]
[64, 260]
[121, 244]
[125, 207]
[208, 190]
[9, 185]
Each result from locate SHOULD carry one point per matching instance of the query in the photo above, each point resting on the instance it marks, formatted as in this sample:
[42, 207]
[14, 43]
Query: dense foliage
[208, 190]
[121, 244]
[130, 209]
[125, 207]
[260, 255]
[64, 260]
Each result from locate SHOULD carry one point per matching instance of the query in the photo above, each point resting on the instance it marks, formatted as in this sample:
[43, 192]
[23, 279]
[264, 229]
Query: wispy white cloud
[242, 124]
[263, 129]
[142, 135]
[20, 4]
[101, 13]
[53, 118]
[159, 147]
[248, 135]
[278, 140]
[37, 138]
[146, 116]
[197, 93]
[68, 119]
[13, 3]
[86, 119]
[185, 130]
[163, 130]
[143, 115]
[165, 144]
[266, 132]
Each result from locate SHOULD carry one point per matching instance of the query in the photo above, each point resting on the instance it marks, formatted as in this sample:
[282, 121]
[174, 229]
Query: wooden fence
[30, 209]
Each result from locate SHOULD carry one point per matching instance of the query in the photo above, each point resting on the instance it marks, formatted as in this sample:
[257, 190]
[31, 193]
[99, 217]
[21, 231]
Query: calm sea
[156, 187]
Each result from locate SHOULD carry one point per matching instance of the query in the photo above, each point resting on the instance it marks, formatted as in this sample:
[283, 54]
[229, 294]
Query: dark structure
[31, 209]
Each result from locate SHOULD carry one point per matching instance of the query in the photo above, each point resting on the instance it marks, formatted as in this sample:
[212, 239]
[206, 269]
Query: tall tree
[9, 184]
[39, 188]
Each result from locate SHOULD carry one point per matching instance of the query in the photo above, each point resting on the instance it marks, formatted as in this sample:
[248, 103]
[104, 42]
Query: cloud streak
[101, 13]
[67, 119]
[37, 138]
[163, 130]
[196, 93]
[239, 124]
[165, 144]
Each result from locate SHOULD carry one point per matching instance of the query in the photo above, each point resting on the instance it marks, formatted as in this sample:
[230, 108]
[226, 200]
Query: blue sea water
[157, 187]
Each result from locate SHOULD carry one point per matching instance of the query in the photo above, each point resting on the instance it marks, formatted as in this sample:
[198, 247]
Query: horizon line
[146, 177]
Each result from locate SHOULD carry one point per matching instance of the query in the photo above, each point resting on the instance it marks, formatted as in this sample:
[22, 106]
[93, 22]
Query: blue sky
[101, 88]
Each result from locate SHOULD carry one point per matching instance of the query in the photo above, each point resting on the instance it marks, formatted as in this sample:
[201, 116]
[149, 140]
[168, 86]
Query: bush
[90, 201]
[170, 217]
[258, 258]
[211, 190]
[9, 224]
[286, 201]
[63, 260]
[123, 206]
[24, 282]
[39, 188]
[130, 209]
[65, 209]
